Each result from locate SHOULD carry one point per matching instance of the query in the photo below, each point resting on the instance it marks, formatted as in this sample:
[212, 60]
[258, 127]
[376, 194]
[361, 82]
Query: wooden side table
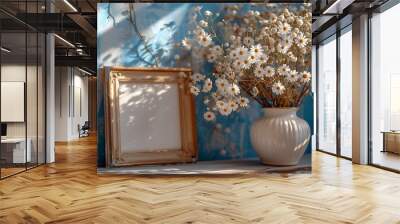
[391, 141]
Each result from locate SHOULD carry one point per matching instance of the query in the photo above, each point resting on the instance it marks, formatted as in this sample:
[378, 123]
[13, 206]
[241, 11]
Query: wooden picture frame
[118, 133]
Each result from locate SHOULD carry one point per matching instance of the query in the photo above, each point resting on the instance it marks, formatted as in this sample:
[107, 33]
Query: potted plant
[264, 55]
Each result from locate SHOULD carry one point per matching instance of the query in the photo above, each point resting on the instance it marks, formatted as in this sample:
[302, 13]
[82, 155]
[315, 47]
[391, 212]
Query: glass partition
[326, 138]
[385, 89]
[31, 99]
[346, 93]
[13, 90]
[22, 88]
[41, 97]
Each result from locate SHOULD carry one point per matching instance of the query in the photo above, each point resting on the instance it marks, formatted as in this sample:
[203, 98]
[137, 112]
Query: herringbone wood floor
[70, 191]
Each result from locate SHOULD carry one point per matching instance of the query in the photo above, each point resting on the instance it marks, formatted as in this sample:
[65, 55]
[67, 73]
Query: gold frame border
[111, 77]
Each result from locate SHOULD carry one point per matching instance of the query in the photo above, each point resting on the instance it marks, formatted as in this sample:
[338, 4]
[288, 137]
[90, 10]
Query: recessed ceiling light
[5, 50]
[337, 7]
[70, 5]
[64, 40]
[84, 71]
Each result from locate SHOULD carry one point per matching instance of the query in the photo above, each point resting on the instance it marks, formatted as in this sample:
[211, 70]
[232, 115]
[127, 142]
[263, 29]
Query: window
[326, 140]
[385, 89]
[346, 93]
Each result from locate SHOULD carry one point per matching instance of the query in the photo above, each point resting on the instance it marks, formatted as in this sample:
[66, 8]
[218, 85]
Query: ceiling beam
[79, 61]
[84, 24]
[337, 7]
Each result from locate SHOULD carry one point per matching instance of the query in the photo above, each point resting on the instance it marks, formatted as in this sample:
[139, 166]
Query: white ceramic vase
[280, 137]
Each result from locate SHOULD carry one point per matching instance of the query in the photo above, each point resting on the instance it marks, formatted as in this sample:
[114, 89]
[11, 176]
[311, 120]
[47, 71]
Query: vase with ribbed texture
[280, 137]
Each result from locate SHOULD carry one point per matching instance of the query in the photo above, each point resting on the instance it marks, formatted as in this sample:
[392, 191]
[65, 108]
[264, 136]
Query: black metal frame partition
[337, 35]
[388, 4]
[28, 29]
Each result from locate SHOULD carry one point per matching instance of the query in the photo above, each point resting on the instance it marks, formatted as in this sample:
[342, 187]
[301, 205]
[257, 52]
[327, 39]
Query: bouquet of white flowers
[260, 54]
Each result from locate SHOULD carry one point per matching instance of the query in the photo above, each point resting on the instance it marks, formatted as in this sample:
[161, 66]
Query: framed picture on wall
[150, 116]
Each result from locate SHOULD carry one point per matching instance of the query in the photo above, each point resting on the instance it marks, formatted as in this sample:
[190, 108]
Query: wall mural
[150, 35]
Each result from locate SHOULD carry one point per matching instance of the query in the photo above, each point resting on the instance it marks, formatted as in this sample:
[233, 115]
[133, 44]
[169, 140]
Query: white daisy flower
[286, 12]
[211, 57]
[299, 22]
[197, 77]
[258, 72]
[284, 28]
[203, 23]
[233, 54]
[233, 105]
[225, 110]
[209, 116]
[278, 88]
[305, 77]
[291, 19]
[222, 84]
[208, 13]
[292, 76]
[233, 89]
[194, 90]
[243, 52]
[256, 50]
[269, 71]
[216, 96]
[205, 40]
[246, 64]
[252, 59]
[207, 86]
[286, 42]
[301, 41]
[199, 31]
[217, 50]
[237, 65]
[284, 70]
[243, 101]
[263, 59]
[281, 48]
[186, 43]
[220, 104]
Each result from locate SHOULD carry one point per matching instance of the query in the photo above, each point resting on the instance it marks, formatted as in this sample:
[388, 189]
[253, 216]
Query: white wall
[69, 83]
[61, 103]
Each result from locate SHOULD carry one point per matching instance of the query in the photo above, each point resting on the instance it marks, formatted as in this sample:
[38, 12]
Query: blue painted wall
[163, 25]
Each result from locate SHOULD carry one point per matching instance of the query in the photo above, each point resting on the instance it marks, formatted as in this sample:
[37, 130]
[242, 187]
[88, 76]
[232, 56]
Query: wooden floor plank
[70, 191]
